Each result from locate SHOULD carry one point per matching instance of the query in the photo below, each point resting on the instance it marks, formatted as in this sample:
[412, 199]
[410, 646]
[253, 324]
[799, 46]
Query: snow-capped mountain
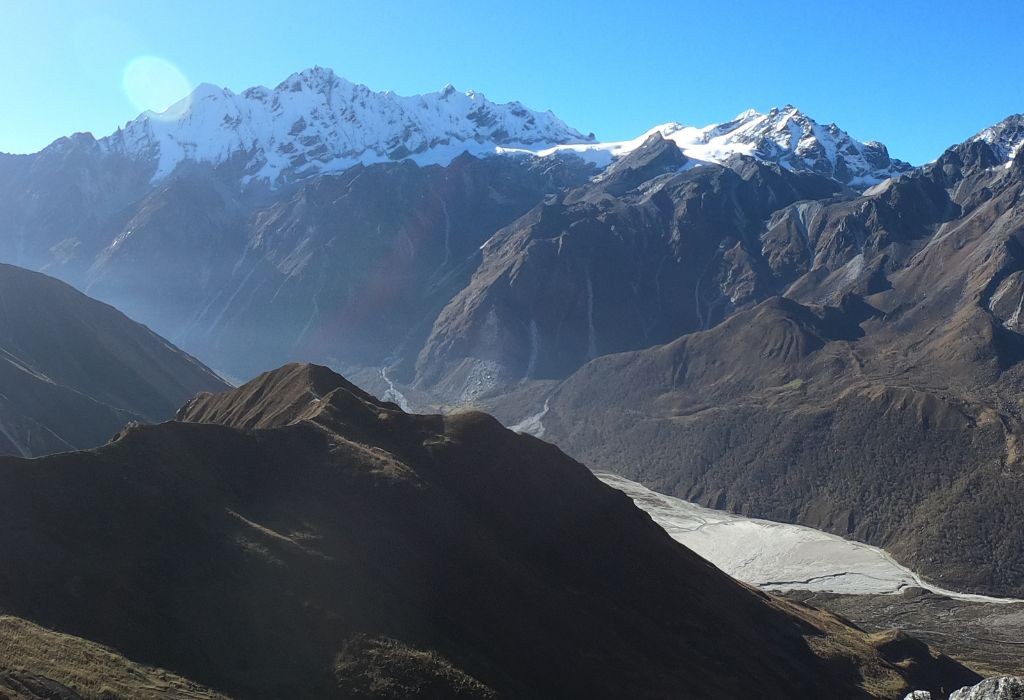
[316, 121]
[785, 136]
[1005, 138]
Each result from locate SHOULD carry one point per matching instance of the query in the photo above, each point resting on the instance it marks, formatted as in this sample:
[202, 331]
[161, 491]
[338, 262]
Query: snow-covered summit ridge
[1006, 138]
[783, 135]
[316, 122]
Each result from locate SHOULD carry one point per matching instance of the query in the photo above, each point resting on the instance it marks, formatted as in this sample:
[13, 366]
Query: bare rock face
[647, 251]
[25, 685]
[1004, 688]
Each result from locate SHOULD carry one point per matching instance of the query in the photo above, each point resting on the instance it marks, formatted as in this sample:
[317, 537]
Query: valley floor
[855, 580]
[781, 557]
[858, 581]
[988, 637]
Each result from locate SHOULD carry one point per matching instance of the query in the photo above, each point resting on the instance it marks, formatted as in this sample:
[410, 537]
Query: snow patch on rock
[1006, 138]
[784, 135]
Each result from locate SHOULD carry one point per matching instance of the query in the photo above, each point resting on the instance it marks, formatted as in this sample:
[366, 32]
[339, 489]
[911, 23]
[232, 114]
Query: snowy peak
[315, 121]
[795, 141]
[783, 135]
[1005, 138]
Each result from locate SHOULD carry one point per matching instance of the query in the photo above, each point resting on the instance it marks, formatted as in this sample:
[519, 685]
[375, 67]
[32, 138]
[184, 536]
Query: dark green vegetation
[296, 537]
[73, 370]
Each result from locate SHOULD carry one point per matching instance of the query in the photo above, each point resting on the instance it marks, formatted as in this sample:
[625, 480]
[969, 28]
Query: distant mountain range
[784, 135]
[316, 122]
[874, 392]
[231, 217]
[769, 276]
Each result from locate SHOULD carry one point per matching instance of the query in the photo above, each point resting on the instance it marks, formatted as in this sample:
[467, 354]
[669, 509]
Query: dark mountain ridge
[73, 370]
[314, 541]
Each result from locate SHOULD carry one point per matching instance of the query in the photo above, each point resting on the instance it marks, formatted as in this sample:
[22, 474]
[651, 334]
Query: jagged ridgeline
[322, 220]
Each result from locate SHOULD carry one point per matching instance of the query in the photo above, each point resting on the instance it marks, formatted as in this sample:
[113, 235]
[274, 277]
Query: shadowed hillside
[73, 370]
[296, 537]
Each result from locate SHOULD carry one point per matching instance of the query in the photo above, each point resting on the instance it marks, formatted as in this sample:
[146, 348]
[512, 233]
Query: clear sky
[917, 75]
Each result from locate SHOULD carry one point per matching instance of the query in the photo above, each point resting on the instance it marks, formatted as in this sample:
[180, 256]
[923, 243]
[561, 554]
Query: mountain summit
[783, 135]
[316, 122]
[1006, 138]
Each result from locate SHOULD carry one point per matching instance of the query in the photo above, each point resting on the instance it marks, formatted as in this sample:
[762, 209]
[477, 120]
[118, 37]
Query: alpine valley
[764, 316]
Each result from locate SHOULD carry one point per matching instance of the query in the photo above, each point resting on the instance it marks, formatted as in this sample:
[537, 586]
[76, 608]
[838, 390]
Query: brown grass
[90, 669]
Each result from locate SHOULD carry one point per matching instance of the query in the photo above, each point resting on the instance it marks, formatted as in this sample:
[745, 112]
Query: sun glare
[157, 85]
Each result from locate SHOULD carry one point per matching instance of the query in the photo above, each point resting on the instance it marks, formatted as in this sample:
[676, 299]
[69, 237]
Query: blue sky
[916, 75]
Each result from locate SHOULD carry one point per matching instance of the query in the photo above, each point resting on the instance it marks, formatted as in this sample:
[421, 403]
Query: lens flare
[155, 84]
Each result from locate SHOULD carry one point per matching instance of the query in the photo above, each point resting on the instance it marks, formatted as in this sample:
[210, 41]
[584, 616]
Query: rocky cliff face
[649, 250]
[1004, 688]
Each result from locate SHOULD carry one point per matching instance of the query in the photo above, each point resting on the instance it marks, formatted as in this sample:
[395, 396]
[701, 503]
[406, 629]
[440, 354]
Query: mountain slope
[879, 401]
[649, 249]
[349, 268]
[39, 663]
[73, 371]
[328, 544]
[323, 221]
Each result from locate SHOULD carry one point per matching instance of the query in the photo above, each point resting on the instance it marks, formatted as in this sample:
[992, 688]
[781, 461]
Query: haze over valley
[316, 389]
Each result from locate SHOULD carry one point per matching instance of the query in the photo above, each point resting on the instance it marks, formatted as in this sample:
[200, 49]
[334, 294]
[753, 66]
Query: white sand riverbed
[776, 556]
